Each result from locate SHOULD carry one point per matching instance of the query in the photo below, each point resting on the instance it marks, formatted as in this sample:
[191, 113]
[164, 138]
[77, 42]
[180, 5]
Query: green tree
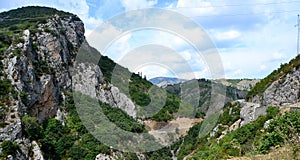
[31, 127]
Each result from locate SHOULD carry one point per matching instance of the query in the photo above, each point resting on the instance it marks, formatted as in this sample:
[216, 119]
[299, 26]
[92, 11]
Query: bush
[121, 119]
[229, 119]
[9, 148]
[13, 28]
[269, 140]
[199, 114]
[287, 125]
[53, 134]
[6, 88]
[244, 133]
[23, 97]
[272, 112]
[31, 127]
[283, 129]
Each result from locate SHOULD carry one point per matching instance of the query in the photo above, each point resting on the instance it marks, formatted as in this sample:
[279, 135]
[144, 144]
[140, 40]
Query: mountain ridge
[164, 81]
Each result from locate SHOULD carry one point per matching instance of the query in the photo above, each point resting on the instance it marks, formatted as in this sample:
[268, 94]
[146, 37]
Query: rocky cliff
[284, 91]
[281, 87]
[92, 77]
[37, 78]
[37, 63]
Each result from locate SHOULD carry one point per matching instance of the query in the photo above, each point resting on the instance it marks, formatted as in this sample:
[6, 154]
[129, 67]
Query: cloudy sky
[252, 37]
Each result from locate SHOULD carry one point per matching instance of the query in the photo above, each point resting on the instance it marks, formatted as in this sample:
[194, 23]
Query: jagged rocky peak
[37, 53]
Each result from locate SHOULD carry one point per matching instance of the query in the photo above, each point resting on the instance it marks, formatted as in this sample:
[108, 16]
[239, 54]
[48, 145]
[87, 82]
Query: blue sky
[252, 37]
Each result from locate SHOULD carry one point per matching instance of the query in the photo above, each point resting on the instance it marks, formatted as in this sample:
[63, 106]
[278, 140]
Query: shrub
[9, 148]
[269, 140]
[31, 127]
[13, 28]
[272, 112]
[121, 119]
[199, 114]
[283, 129]
[23, 97]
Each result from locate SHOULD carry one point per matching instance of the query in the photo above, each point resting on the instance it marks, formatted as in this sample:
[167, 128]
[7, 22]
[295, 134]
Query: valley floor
[179, 127]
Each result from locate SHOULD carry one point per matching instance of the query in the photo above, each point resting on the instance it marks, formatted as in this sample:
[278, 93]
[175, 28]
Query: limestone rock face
[235, 125]
[88, 79]
[41, 73]
[37, 153]
[250, 112]
[39, 68]
[104, 157]
[47, 102]
[284, 91]
[12, 131]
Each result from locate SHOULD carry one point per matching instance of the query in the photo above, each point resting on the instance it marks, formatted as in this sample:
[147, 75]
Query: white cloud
[120, 48]
[193, 8]
[154, 70]
[193, 3]
[3, 9]
[186, 55]
[171, 5]
[277, 55]
[236, 73]
[88, 33]
[137, 4]
[92, 22]
[203, 73]
[81, 8]
[227, 35]
[261, 46]
[262, 67]
[102, 38]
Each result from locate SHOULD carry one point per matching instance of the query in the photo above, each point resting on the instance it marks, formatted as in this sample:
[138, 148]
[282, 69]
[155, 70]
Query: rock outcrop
[280, 88]
[88, 79]
[41, 73]
[39, 69]
[284, 91]
[104, 157]
[37, 153]
[250, 112]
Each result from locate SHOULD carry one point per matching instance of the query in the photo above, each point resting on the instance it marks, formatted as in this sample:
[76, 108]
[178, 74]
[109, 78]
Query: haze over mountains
[164, 81]
[50, 80]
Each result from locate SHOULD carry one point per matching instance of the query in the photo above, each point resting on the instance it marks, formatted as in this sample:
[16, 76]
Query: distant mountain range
[241, 84]
[164, 81]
